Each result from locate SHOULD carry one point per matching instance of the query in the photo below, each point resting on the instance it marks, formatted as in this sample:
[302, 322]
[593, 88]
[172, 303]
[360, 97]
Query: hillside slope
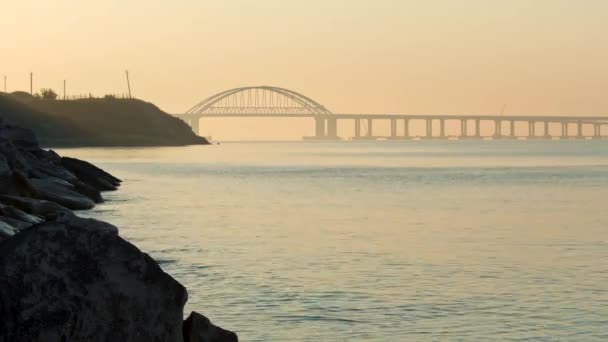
[96, 122]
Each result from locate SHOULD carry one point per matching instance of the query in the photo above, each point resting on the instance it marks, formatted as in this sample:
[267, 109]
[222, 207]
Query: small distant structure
[128, 84]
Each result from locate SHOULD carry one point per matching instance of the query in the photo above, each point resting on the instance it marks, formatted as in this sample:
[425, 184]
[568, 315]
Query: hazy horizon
[535, 57]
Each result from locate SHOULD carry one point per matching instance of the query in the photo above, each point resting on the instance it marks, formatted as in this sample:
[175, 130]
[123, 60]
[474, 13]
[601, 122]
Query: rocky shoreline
[66, 278]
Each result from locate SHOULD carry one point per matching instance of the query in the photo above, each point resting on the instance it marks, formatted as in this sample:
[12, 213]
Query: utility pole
[128, 84]
[64, 90]
[32, 83]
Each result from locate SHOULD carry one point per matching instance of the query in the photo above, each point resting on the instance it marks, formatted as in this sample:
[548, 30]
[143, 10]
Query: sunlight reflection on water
[376, 241]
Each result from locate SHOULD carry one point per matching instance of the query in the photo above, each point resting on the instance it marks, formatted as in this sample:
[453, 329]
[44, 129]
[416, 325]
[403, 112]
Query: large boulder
[65, 195]
[41, 208]
[17, 218]
[74, 279]
[41, 165]
[21, 137]
[16, 224]
[16, 183]
[14, 157]
[91, 174]
[198, 328]
[10, 212]
[88, 190]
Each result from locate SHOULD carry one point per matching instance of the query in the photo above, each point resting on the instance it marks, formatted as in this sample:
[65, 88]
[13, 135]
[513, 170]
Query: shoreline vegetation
[96, 122]
[66, 278]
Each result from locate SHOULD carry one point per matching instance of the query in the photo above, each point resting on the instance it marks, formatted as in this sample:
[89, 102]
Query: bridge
[275, 102]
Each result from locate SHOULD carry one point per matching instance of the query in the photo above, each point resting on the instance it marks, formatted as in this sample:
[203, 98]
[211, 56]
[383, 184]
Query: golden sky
[376, 56]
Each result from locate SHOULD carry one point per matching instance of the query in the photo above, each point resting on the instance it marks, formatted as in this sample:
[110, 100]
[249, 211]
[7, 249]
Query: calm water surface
[412, 241]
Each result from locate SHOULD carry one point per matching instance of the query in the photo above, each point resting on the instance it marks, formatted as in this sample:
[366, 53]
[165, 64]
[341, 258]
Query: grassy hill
[96, 122]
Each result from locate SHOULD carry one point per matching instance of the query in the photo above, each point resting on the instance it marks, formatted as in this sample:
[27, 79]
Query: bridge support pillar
[332, 128]
[478, 128]
[564, 130]
[597, 131]
[497, 129]
[546, 130]
[463, 128]
[319, 127]
[442, 128]
[370, 130]
[531, 132]
[429, 128]
[579, 127]
[406, 128]
[357, 128]
[393, 128]
[512, 129]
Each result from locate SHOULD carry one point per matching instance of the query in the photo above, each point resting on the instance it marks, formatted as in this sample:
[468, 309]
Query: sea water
[375, 241]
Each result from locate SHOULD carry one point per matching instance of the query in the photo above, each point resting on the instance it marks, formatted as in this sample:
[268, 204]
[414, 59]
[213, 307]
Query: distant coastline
[96, 122]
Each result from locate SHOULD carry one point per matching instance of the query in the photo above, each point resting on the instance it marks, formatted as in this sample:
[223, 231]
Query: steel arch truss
[261, 100]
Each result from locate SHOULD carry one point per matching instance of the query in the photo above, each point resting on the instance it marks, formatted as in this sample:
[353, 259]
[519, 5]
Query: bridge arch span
[259, 100]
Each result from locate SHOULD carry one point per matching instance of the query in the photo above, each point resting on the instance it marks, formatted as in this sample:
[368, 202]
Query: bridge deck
[276, 102]
[403, 116]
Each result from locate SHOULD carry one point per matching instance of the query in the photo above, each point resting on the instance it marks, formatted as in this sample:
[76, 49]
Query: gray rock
[67, 197]
[78, 186]
[6, 230]
[41, 165]
[10, 212]
[58, 181]
[198, 328]
[16, 183]
[89, 191]
[40, 208]
[13, 156]
[16, 224]
[91, 174]
[21, 137]
[73, 279]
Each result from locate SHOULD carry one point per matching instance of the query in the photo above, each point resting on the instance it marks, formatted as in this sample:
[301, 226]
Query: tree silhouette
[48, 94]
